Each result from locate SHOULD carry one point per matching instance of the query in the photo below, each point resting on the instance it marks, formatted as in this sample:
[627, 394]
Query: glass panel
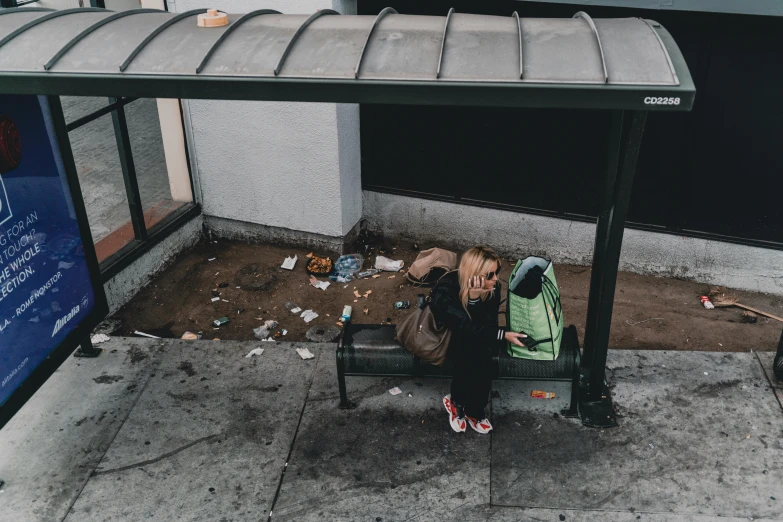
[156, 182]
[100, 176]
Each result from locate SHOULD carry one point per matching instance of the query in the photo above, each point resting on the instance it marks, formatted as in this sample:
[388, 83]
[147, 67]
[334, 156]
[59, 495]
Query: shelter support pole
[87, 349]
[129, 172]
[626, 138]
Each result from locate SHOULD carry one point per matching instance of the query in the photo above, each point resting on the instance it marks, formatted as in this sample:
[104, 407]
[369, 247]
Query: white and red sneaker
[481, 426]
[457, 423]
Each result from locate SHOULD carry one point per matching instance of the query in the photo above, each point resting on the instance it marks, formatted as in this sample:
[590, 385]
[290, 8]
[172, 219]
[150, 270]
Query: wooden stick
[765, 314]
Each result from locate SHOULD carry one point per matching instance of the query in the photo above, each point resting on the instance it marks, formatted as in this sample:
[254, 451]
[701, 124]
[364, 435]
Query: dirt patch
[136, 354]
[108, 379]
[187, 367]
[649, 312]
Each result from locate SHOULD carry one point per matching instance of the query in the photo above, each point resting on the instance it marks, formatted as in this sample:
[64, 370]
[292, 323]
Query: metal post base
[597, 414]
[87, 350]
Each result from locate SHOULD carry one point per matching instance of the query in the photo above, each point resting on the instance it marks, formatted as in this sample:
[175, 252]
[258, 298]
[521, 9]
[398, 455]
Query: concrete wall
[516, 235]
[121, 288]
[281, 165]
[753, 7]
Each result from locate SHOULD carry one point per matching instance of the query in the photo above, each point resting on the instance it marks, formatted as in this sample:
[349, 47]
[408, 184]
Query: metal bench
[372, 350]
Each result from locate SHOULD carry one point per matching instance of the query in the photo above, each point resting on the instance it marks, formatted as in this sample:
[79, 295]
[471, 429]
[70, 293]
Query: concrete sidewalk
[175, 430]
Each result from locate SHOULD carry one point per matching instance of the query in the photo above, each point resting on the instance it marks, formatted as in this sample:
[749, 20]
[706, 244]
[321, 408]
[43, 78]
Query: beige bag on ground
[430, 265]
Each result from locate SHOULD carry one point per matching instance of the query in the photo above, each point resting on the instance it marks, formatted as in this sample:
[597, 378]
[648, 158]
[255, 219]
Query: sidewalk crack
[156, 459]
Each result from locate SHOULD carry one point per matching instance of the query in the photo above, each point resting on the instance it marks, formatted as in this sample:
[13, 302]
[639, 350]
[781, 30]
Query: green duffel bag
[534, 308]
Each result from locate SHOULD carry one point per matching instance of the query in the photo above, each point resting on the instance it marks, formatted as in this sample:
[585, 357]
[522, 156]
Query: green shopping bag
[539, 313]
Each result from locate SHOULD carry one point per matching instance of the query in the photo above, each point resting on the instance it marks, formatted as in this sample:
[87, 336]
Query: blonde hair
[475, 262]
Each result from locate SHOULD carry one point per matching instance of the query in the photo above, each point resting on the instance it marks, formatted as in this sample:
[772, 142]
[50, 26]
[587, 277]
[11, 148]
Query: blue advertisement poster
[45, 285]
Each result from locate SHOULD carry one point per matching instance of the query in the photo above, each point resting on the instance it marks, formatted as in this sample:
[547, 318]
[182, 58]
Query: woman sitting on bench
[467, 302]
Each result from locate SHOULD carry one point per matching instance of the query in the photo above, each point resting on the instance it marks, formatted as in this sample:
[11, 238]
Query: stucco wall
[288, 165]
[515, 234]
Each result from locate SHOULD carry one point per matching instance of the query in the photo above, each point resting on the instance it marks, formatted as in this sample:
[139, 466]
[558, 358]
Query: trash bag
[389, 265]
[430, 265]
[349, 264]
[534, 309]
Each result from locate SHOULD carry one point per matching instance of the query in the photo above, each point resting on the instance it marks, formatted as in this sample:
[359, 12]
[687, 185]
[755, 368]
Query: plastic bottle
[346, 314]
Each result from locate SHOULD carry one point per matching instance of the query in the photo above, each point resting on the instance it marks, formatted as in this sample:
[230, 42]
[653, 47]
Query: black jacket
[480, 327]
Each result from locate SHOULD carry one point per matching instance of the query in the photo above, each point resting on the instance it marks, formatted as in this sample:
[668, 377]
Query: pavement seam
[769, 379]
[108, 446]
[296, 432]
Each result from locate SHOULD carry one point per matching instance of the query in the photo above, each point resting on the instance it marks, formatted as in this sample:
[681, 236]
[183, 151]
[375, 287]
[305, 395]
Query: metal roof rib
[228, 31]
[586, 17]
[97, 25]
[302, 28]
[45, 18]
[381, 16]
[162, 27]
[443, 42]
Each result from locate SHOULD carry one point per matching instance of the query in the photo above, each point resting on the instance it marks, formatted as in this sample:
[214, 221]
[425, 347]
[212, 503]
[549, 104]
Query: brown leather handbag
[420, 335]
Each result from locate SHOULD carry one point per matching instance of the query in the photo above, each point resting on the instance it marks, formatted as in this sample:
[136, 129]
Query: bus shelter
[628, 66]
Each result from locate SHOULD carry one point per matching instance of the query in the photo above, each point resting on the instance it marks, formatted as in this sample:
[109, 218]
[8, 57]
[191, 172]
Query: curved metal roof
[264, 55]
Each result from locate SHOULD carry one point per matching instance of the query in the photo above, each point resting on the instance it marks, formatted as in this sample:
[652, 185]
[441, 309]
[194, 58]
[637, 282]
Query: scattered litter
[346, 286]
[308, 315]
[367, 294]
[308, 256]
[367, 273]
[265, 330]
[224, 300]
[720, 344]
[632, 323]
[346, 316]
[538, 394]
[366, 311]
[65, 266]
[747, 436]
[284, 332]
[355, 300]
[356, 294]
[142, 334]
[376, 276]
[239, 287]
[220, 322]
[323, 285]
[410, 395]
[337, 278]
[216, 274]
[705, 373]
[256, 351]
[651, 446]
[323, 334]
[292, 307]
[391, 277]
[705, 300]
[289, 263]
[749, 317]
[319, 265]
[189, 336]
[304, 353]
[99, 338]
[348, 265]
[402, 305]
[389, 265]
[211, 259]
[397, 391]
[339, 323]
[268, 339]
[215, 299]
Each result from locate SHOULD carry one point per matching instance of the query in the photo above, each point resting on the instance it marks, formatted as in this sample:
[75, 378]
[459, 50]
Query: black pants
[472, 377]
